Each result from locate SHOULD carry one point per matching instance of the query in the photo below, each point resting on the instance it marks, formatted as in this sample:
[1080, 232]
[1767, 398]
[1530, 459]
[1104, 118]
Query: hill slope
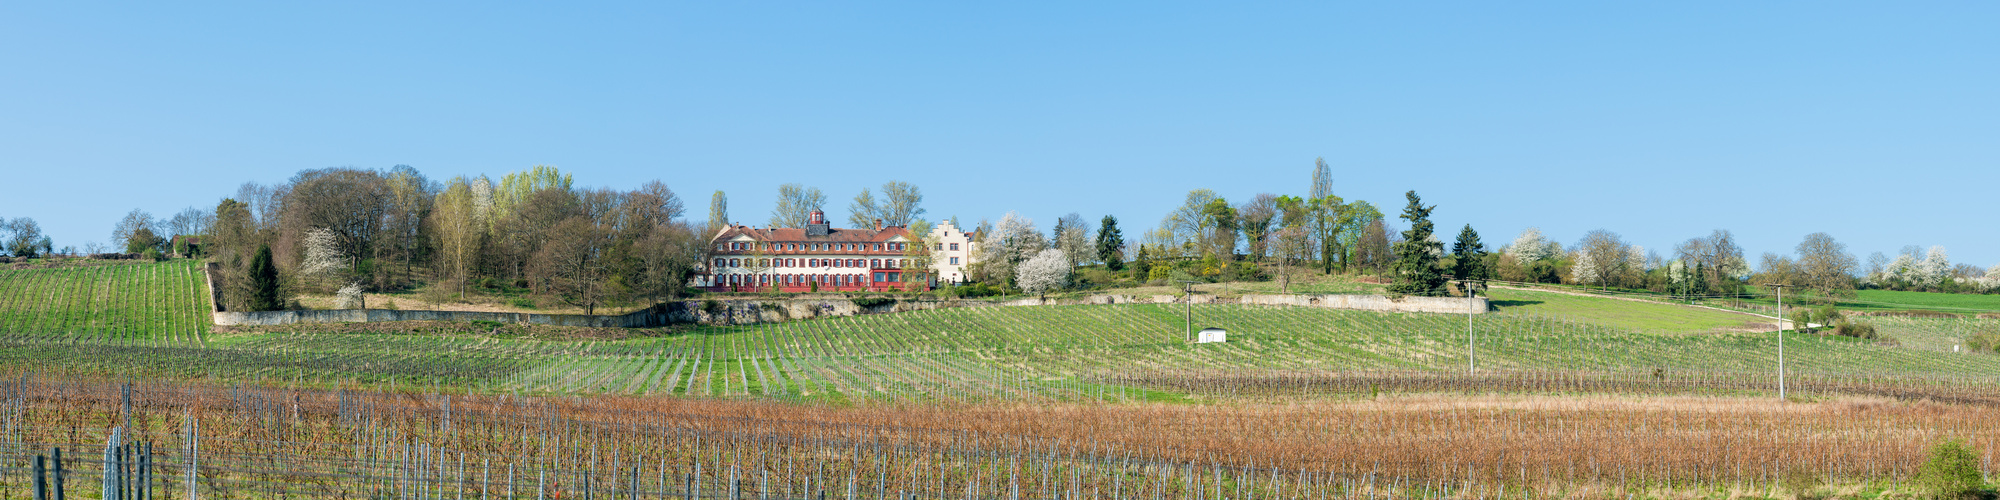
[163, 302]
[982, 353]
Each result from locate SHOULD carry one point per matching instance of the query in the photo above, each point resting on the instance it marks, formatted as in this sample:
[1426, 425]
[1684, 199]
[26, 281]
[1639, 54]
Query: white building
[952, 251]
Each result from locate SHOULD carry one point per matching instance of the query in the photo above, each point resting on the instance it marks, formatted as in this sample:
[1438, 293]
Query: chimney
[878, 224]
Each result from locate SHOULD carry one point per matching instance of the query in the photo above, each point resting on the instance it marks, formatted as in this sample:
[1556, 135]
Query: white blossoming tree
[1935, 268]
[1530, 246]
[323, 259]
[1048, 271]
[325, 264]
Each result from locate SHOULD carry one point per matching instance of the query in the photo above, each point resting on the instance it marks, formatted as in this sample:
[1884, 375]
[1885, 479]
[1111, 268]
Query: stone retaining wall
[753, 311]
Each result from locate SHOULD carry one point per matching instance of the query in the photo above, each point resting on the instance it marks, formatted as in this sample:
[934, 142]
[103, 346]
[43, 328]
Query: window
[764, 278]
[940, 246]
[954, 247]
[878, 277]
[735, 262]
[895, 277]
[812, 262]
[875, 263]
[954, 261]
[721, 262]
[764, 262]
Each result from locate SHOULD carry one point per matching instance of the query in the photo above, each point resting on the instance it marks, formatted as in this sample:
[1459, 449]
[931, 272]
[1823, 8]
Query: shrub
[1855, 329]
[153, 254]
[1952, 471]
[867, 302]
[1985, 342]
[522, 302]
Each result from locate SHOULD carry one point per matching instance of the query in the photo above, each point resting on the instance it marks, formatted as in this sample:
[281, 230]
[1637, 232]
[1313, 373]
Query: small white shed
[1207, 335]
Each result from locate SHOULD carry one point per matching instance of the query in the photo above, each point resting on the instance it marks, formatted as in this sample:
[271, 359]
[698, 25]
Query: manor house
[820, 257]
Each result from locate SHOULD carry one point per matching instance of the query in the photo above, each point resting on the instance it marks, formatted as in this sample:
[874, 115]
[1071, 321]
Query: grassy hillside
[163, 303]
[983, 353]
[1629, 314]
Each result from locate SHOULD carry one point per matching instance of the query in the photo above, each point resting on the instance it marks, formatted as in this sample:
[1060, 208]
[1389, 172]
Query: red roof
[798, 235]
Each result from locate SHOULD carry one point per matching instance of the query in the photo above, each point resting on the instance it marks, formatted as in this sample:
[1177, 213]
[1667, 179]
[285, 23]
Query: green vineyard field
[970, 354]
[158, 304]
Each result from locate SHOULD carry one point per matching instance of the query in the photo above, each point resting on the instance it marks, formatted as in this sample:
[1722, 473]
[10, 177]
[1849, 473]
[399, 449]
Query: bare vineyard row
[242, 441]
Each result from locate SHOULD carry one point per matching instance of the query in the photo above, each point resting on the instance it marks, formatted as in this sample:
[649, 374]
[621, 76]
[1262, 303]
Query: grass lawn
[1891, 300]
[1623, 313]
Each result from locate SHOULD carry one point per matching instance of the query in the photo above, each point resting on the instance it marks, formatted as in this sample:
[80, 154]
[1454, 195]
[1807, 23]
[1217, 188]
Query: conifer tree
[1141, 265]
[264, 282]
[1417, 269]
[1110, 244]
[1471, 262]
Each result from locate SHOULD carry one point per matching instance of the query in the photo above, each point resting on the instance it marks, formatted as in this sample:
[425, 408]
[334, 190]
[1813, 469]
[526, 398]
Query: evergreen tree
[1141, 265]
[1471, 262]
[1110, 244]
[1417, 269]
[264, 282]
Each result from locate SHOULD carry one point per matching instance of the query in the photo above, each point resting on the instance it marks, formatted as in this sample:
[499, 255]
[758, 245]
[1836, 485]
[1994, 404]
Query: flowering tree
[1047, 271]
[323, 258]
[1012, 241]
[1530, 246]
[1935, 268]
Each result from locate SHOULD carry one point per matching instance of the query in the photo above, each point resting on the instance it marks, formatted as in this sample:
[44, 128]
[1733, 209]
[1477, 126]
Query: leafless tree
[1777, 269]
[135, 220]
[410, 202]
[352, 203]
[190, 221]
[1825, 266]
[1603, 259]
[795, 205]
[1075, 240]
[1372, 252]
[571, 265]
[902, 203]
[1254, 219]
[863, 211]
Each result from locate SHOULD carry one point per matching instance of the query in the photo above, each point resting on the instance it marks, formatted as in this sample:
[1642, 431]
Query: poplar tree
[1417, 269]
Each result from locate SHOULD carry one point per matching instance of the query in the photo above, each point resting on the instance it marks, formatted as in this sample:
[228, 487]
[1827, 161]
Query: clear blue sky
[1878, 123]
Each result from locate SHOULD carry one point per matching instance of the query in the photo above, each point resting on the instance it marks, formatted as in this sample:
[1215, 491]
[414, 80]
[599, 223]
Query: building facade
[951, 251]
[817, 257]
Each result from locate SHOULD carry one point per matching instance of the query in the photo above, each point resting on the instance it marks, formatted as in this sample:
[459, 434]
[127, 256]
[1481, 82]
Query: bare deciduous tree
[571, 265]
[795, 205]
[902, 203]
[863, 212]
[1825, 266]
[1254, 219]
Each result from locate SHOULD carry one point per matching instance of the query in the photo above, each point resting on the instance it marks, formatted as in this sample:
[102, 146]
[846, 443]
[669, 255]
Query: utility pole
[1781, 339]
[1188, 335]
[1470, 354]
